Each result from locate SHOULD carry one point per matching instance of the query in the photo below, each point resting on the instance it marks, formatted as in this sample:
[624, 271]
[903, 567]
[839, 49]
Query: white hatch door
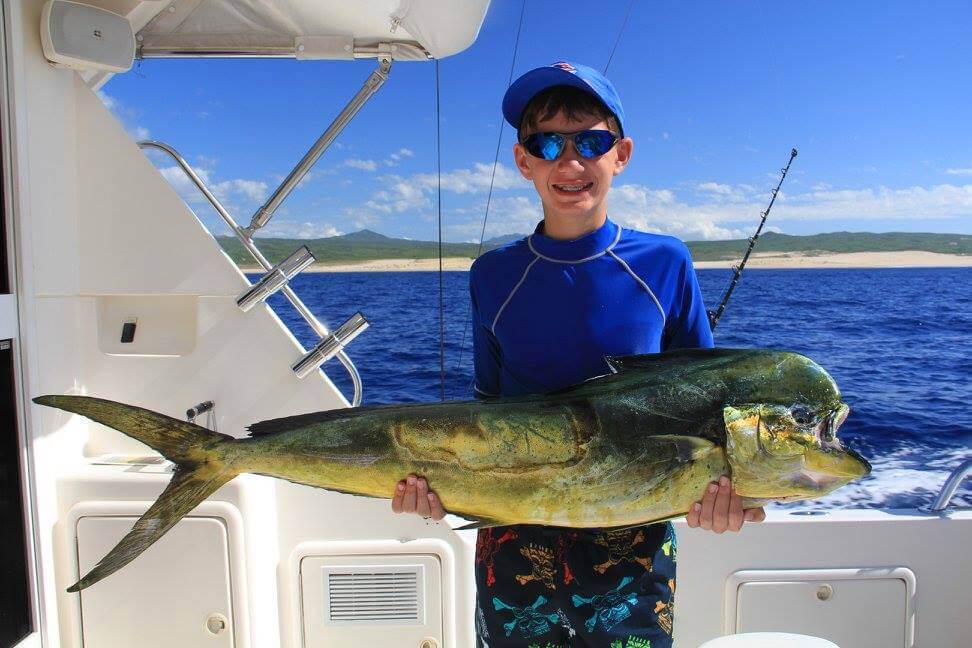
[852, 608]
[177, 593]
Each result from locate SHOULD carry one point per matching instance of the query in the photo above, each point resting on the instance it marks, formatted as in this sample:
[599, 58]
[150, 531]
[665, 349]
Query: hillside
[366, 245]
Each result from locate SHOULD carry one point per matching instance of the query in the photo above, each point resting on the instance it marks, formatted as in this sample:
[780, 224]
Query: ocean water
[897, 341]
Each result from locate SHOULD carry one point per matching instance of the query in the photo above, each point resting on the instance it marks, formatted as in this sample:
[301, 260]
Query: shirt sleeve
[486, 353]
[687, 325]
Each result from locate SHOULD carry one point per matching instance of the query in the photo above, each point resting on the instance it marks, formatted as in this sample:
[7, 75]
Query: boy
[546, 310]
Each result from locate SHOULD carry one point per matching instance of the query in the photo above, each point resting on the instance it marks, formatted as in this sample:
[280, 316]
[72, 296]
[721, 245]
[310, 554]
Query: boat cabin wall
[103, 239]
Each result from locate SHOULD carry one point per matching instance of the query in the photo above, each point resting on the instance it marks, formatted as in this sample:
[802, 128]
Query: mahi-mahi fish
[634, 446]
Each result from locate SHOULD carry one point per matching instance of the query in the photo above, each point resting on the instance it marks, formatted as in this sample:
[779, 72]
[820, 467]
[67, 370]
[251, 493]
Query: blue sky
[877, 97]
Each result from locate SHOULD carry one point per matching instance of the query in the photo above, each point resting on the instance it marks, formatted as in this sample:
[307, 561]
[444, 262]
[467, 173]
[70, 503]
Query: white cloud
[364, 165]
[299, 230]
[125, 115]
[371, 165]
[716, 188]
[959, 172]
[730, 193]
[395, 158]
[417, 192]
[402, 195]
[718, 205]
[660, 211]
[474, 180]
[911, 203]
[255, 190]
[507, 215]
[107, 99]
[228, 191]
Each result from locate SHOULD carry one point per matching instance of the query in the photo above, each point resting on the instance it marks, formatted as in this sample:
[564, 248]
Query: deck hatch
[385, 597]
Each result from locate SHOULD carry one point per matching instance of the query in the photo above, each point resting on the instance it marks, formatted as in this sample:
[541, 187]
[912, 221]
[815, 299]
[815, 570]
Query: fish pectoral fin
[478, 523]
[687, 448]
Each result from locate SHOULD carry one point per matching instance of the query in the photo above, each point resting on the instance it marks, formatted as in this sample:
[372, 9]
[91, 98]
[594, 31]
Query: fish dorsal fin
[273, 426]
[648, 361]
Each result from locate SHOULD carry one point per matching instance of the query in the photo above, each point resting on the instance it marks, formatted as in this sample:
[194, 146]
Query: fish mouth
[826, 431]
[824, 471]
[865, 465]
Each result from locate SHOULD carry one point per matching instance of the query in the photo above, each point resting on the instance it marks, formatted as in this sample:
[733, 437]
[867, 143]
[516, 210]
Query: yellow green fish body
[634, 446]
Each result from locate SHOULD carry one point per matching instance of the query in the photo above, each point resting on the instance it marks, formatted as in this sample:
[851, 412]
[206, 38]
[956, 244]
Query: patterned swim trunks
[546, 587]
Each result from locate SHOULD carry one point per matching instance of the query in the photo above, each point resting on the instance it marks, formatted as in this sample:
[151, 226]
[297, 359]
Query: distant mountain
[366, 245]
[364, 235]
[497, 241]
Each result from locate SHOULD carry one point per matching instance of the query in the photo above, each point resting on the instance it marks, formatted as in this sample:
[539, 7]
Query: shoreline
[759, 260]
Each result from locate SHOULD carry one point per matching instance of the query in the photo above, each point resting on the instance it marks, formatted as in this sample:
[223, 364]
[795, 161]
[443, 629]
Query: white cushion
[768, 640]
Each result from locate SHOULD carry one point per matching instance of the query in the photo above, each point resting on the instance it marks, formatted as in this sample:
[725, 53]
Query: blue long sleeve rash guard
[546, 312]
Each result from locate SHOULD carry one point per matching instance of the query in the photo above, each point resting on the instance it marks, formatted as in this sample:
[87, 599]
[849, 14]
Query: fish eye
[802, 415]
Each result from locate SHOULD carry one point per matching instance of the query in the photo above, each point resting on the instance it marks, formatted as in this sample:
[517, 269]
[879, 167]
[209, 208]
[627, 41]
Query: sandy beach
[766, 260]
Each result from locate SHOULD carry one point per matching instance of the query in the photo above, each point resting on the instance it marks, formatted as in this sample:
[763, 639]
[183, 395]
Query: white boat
[98, 246]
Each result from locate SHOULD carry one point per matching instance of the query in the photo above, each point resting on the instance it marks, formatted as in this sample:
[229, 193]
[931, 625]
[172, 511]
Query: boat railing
[951, 485]
[277, 277]
[331, 344]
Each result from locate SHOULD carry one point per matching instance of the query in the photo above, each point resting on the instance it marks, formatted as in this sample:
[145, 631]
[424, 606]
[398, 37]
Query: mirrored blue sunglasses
[589, 143]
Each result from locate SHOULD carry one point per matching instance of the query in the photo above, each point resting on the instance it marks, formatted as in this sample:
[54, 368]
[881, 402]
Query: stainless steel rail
[319, 328]
[951, 485]
[371, 85]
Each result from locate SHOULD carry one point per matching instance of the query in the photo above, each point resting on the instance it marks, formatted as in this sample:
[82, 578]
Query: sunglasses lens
[591, 144]
[544, 145]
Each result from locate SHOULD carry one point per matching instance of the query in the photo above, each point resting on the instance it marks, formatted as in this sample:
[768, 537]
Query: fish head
[784, 447]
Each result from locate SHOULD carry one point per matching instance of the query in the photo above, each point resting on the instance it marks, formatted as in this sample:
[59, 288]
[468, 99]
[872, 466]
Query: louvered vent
[374, 594]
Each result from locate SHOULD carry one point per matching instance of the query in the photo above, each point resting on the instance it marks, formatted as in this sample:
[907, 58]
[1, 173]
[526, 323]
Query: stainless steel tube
[292, 297]
[275, 279]
[370, 87]
[951, 485]
[329, 346]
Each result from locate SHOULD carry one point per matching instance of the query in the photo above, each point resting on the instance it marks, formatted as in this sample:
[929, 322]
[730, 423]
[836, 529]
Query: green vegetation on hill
[366, 245]
[834, 242]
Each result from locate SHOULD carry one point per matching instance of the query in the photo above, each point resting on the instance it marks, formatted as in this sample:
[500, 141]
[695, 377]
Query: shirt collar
[585, 248]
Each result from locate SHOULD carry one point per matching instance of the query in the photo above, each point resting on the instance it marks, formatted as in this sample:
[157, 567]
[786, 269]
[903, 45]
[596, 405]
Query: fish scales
[634, 446]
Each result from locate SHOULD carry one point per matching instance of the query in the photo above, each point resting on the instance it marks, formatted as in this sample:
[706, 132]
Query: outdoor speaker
[83, 37]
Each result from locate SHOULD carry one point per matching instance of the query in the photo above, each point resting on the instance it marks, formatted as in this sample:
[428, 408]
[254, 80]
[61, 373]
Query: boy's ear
[624, 147]
[520, 159]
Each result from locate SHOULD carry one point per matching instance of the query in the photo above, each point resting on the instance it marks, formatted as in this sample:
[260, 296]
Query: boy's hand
[721, 509]
[412, 495]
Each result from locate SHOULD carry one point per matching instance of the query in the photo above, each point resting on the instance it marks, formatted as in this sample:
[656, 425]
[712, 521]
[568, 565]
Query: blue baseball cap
[562, 73]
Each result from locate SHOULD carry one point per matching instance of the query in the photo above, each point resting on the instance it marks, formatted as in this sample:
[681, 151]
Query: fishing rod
[714, 315]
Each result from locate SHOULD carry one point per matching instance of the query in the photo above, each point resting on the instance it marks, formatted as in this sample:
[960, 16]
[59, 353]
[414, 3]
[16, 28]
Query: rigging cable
[618, 39]
[438, 201]
[492, 178]
[714, 315]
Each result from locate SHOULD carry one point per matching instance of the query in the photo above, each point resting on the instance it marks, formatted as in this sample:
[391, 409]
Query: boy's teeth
[572, 187]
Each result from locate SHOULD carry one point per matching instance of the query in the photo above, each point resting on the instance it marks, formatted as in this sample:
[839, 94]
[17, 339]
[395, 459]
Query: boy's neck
[569, 228]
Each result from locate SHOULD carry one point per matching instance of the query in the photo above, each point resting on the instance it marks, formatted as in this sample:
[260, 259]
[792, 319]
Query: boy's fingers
[408, 504]
[708, 504]
[435, 505]
[735, 512]
[692, 517]
[720, 511]
[754, 515]
[396, 503]
[422, 498]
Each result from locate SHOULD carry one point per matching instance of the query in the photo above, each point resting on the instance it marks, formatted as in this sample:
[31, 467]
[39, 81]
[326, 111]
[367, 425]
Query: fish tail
[200, 470]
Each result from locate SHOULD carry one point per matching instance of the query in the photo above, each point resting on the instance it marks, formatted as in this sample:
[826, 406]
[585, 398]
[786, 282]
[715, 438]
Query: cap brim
[519, 94]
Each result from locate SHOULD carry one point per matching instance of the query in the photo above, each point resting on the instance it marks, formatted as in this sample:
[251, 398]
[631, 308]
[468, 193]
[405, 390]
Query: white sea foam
[905, 478]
